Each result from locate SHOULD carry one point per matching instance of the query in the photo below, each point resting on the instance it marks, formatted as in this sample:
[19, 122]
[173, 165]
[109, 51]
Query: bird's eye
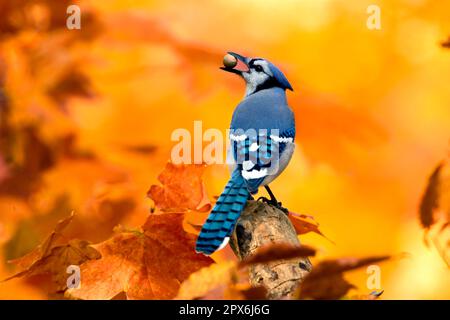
[258, 68]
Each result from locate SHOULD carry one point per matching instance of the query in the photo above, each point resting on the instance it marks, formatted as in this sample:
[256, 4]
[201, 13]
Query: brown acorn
[229, 61]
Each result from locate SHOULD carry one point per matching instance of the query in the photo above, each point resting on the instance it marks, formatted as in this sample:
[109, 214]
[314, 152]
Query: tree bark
[261, 224]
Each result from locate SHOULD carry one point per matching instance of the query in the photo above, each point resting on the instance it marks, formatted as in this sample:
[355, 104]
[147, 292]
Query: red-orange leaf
[182, 189]
[145, 265]
[45, 247]
[53, 257]
[326, 280]
[329, 288]
[305, 224]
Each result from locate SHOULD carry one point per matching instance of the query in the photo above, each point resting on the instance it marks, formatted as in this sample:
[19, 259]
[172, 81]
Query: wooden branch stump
[261, 224]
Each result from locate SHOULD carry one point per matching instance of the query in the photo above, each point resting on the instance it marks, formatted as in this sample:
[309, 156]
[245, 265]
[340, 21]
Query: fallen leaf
[278, 251]
[44, 249]
[146, 265]
[330, 288]
[304, 224]
[328, 267]
[430, 199]
[182, 189]
[52, 258]
[326, 280]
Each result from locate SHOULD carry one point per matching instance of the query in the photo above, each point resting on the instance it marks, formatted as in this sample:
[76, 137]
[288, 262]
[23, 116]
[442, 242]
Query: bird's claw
[275, 204]
[265, 200]
[280, 207]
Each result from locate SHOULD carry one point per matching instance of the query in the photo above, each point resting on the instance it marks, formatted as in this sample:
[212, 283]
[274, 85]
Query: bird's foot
[274, 203]
[279, 206]
[264, 199]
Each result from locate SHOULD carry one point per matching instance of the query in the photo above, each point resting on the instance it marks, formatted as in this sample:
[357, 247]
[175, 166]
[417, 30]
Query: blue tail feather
[223, 217]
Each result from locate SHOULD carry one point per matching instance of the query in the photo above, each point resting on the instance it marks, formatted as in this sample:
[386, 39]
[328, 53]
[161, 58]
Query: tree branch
[261, 224]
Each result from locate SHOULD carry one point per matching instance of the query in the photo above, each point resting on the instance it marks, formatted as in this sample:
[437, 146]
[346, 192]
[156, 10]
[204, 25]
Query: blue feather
[223, 217]
[280, 77]
[266, 156]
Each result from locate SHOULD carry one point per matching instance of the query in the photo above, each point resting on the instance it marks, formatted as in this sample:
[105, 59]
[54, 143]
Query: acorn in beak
[235, 63]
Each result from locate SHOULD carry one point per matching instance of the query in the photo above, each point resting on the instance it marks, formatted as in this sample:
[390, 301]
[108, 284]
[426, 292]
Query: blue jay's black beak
[235, 63]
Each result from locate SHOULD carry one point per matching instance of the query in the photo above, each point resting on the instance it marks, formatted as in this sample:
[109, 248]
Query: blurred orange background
[86, 118]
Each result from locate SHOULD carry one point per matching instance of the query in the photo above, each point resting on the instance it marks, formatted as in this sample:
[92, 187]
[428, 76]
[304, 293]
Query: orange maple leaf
[145, 265]
[182, 189]
[304, 224]
[54, 255]
[326, 280]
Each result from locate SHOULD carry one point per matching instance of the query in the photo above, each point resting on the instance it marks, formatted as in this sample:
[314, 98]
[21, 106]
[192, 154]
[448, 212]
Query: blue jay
[262, 143]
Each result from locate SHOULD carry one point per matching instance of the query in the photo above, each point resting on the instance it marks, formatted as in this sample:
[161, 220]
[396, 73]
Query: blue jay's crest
[279, 76]
[258, 73]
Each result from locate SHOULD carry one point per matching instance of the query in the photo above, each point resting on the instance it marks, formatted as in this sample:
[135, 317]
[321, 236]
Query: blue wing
[257, 155]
